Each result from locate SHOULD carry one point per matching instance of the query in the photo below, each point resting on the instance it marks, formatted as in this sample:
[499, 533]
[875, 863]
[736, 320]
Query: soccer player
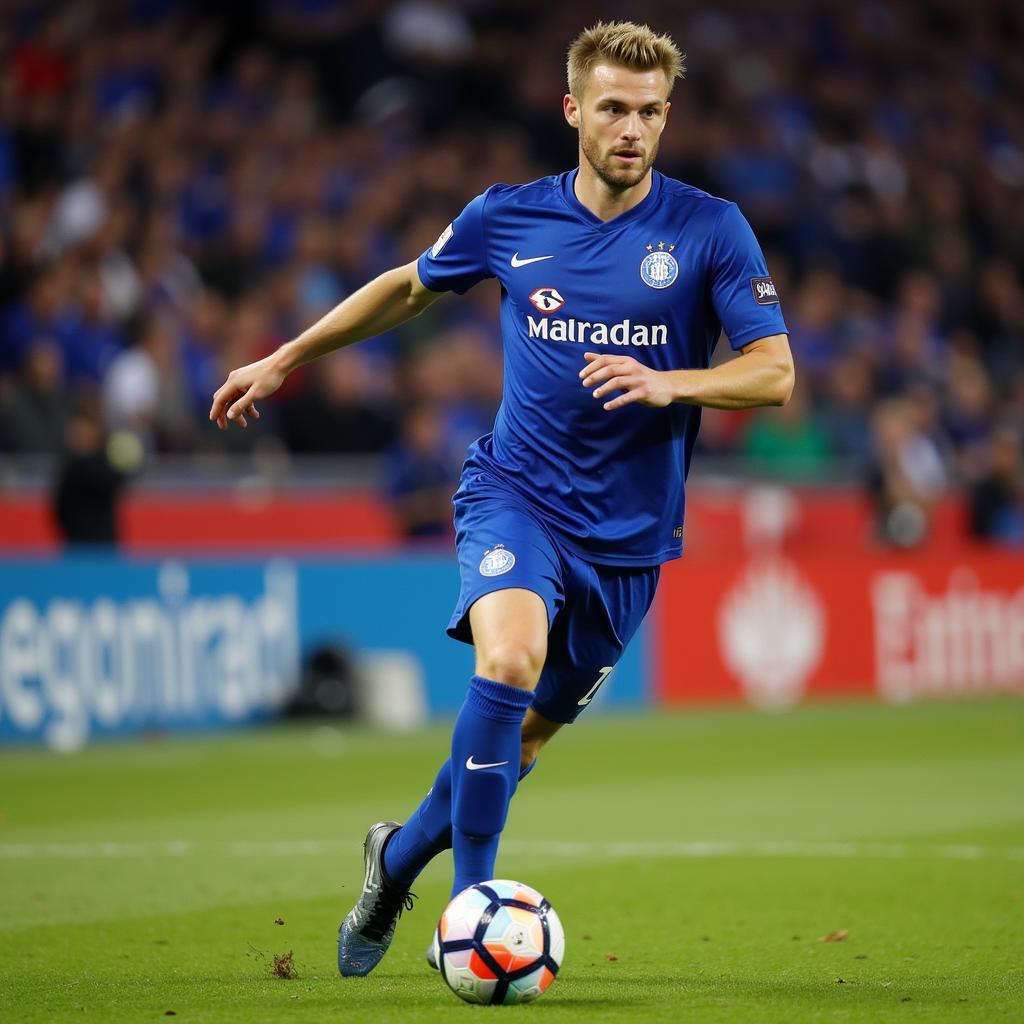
[616, 283]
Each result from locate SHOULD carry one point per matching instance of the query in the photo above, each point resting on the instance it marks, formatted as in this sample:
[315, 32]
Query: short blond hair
[632, 46]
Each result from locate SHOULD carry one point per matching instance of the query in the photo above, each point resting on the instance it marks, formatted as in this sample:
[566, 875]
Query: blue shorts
[593, 610]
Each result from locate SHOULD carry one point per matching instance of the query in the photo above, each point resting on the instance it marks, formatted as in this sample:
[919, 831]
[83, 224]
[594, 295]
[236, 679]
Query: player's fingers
[608, 357]
[240, 408]
[602, 362]
[219, 414]
[624, 399]
[595, 361]
[596, 374]
[222, 398]
[217, 409]
[615, 384]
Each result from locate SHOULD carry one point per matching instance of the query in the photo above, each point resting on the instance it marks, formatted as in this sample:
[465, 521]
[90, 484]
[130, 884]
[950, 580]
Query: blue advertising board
[94, 645]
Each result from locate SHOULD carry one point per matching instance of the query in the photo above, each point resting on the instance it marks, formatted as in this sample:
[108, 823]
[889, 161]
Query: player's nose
[631, 130]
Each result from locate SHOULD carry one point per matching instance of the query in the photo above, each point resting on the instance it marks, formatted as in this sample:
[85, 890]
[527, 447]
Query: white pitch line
[773, 848]
[96, 851]
[545, 848]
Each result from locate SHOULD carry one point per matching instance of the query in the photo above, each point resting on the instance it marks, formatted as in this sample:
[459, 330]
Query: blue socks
[466, 809]
[427, 832]
[485, 770]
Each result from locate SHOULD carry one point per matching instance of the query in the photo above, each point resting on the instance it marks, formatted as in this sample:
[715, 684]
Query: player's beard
[618, 179]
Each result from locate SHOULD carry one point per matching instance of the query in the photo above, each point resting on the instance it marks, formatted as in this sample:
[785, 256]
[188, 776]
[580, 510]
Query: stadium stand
[185, 185]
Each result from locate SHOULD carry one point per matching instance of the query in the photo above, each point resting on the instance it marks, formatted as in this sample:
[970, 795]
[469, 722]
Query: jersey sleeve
[742, 291]
[458, 259]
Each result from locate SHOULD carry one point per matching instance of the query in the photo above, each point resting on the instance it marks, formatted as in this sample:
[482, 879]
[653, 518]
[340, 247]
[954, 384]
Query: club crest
[659, 268]
[496, 560]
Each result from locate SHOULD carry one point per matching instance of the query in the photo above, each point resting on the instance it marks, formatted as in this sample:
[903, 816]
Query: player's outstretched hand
[236, 397]
[637, 382]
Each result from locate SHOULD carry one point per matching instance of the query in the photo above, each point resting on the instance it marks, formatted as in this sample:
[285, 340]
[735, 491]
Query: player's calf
[486, 751]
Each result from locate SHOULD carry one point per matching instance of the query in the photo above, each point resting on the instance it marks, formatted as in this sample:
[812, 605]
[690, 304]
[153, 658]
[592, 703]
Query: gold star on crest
[650, 248]
[671, 247]
[661, 245]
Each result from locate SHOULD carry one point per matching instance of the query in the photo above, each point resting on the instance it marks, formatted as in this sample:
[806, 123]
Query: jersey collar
[591, 219]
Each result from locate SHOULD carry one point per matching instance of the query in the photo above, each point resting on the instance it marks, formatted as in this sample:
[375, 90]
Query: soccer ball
[499, 942]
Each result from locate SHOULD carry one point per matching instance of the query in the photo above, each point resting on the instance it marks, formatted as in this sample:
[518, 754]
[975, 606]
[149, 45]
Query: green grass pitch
[696, 859]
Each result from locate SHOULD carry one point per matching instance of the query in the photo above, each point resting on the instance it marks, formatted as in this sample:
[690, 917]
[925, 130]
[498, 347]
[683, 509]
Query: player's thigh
[510, 635]
[511, 586]
[603, 610]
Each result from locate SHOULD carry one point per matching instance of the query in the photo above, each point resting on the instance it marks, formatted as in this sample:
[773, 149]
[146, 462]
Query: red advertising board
[280, 517]
[775, 629]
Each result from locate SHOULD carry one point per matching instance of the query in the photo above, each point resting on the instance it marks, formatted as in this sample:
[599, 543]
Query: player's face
[620, 118]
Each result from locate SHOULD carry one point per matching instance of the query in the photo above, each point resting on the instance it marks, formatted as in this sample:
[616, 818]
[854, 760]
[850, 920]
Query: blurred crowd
[184, 186]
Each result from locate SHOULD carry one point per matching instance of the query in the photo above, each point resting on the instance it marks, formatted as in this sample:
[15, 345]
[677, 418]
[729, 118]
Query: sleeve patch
[764, 291]
[442, 241]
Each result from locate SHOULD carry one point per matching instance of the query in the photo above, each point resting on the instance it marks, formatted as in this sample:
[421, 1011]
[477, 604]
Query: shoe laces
[390, 901]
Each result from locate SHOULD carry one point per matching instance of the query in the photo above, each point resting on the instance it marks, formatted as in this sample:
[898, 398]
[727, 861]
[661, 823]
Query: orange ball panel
[507, 960]
[479, 967]
[528, 896]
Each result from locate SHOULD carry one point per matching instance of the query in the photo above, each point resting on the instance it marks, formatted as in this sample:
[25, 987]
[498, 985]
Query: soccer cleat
[366, 933]
[429, 956]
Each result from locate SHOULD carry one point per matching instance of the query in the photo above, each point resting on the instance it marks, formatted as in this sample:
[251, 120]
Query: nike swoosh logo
[517, 262]
[474, 767]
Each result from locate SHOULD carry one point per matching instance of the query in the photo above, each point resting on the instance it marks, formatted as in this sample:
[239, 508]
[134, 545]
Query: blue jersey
[658, 282]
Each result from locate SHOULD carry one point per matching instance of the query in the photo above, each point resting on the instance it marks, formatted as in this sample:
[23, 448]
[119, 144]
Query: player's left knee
[513, 662]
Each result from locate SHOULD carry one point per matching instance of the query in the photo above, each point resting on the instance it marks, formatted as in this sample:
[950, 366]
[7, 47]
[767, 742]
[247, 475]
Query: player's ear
[571, 110]
[664, 115]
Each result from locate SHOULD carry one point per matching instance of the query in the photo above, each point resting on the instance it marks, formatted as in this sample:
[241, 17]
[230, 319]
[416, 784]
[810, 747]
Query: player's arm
[383, 303]
[761, 375]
